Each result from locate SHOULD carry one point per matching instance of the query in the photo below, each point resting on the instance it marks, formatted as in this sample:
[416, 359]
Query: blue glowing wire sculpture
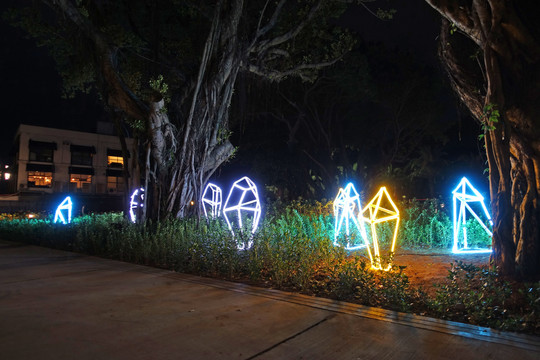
[63, 211]
[211, 199]
[243, 198]
[465, 193]
[136, 203]
[347, 209]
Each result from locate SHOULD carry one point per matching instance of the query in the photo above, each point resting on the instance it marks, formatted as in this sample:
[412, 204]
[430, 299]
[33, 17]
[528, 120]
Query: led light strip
[347, 209]
[459, 220]
[246, 188]
[64, 205]
[212, 198]
[134, 204]
[374, 210]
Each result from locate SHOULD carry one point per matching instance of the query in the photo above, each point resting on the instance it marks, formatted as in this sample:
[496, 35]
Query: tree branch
[277, 75]
[461, 14]
[265, 45]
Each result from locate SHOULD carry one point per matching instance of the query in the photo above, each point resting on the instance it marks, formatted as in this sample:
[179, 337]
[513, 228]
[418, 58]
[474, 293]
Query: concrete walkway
[61, 305]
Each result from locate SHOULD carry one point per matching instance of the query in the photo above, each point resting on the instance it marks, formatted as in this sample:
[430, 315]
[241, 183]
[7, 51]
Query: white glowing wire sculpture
[136, 202]
[243, 198]
[211, 199]
[63, 211]
[347, 209]
[380, 209]
[465, 197]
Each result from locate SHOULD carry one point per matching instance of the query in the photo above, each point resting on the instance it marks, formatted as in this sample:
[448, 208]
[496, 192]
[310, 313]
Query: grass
[294, 250]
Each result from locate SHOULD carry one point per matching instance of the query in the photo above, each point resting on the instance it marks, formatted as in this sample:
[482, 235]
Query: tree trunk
[506, 79]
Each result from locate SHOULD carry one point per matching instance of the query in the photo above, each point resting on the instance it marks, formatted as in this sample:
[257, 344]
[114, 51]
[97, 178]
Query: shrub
[479, 296]
[424, 225]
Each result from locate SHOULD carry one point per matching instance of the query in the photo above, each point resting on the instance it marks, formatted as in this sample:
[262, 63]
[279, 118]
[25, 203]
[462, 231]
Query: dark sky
[31, 89]
[415, 27]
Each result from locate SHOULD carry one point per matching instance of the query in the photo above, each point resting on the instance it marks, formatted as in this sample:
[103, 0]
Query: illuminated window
[466, 194]
[115, 159]
[243, 199]
[211, 199]
[346, 210]
[381, 209]
[39, 179]
[63, 211]
[81, 181]
[115, 184]
[116, 162]
[7, 176]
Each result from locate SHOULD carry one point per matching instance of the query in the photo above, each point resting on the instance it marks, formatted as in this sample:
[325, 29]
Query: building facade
[52, 160]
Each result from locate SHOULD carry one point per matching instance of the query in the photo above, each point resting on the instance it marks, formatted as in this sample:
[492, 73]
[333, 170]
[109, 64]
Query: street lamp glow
[347, 209]
[465, 193]
[63, 211]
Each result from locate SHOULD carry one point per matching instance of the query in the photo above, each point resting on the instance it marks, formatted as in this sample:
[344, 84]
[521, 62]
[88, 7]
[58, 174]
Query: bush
[424, 225]
[479, 296]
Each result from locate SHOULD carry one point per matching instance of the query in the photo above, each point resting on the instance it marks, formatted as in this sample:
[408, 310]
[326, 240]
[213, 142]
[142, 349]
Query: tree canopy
[166, 71]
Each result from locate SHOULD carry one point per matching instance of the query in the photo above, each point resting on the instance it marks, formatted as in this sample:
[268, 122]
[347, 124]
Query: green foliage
[386, 14]
[479, 296]
[490, 117]
[424, 225]
[160, 86]
[477, 237]
[453, 28]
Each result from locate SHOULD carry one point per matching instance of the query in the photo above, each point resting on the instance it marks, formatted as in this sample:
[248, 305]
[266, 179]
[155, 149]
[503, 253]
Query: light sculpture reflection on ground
[135, 203]
[243, 198]
[381, 209]
[63, 211]
[465, 193]
[347, 209]
[212, 199]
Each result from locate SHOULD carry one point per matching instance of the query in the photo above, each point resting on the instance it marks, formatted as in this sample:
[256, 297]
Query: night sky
[31, 88]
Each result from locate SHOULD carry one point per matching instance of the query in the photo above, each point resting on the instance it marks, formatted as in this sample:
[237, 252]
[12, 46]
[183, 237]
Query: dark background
[31, 89]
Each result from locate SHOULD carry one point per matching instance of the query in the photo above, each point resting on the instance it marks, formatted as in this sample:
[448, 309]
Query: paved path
[62, 305]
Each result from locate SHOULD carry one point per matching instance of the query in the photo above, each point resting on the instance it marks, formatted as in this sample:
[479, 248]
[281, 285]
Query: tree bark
[506, 78]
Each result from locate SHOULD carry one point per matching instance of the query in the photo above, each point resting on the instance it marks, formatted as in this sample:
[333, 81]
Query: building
[53, 161]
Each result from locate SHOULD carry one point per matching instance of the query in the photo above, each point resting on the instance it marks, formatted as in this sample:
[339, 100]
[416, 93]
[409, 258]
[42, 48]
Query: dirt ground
[425, 268]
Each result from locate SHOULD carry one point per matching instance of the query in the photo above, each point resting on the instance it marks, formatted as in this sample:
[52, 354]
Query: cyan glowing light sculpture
[243, 199]
[381, 209]
[63, 211]
[136, 202]
[211, 199]
[347, 209]
[465, 193]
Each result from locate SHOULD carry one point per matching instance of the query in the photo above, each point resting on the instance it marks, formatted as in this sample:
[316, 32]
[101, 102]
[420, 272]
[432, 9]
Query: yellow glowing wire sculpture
[375, 213]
